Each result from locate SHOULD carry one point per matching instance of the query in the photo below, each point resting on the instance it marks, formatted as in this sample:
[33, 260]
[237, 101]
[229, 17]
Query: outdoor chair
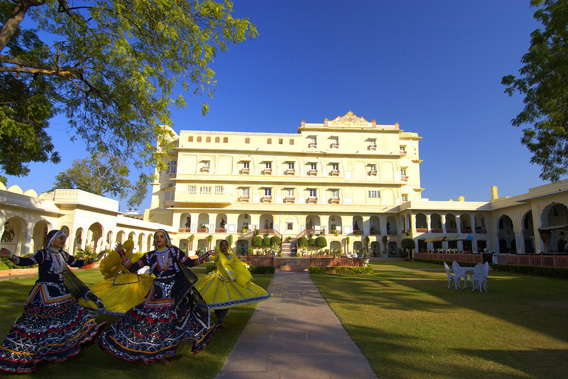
[479, 278]
[451, 277]
[459, 274]
[486, 267]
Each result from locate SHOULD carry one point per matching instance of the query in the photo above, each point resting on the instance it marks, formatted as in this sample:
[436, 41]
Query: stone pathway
[295, 335]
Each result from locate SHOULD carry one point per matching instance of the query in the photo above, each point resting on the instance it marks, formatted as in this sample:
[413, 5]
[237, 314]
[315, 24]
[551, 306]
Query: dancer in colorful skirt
[230, 285]
[53, 326]
[172, 313]
[121, 289]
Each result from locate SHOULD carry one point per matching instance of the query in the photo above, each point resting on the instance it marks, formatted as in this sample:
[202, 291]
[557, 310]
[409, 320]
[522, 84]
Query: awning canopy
[465, 237]
[435, 239]
[451, 238]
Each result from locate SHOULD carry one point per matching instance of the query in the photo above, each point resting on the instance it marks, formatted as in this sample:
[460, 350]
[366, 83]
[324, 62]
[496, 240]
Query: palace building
[351, 180]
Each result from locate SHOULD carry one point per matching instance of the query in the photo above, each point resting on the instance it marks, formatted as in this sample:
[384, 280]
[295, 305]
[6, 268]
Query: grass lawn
[95, 363]
[409, 324]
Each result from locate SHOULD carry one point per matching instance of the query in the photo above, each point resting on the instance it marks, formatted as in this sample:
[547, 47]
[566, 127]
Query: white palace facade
[351, 180]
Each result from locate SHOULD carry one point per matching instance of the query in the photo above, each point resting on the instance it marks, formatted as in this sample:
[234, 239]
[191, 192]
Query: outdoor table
[469, 272]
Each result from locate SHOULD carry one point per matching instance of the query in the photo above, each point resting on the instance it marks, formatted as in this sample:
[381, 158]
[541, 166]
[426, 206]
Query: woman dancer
[121, 289]
[53, 326]
[230, 285]
[172, 313]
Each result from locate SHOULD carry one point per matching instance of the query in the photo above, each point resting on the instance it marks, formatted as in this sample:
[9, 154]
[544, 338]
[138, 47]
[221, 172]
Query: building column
[212, 222]
[366, 225]
[429, 223]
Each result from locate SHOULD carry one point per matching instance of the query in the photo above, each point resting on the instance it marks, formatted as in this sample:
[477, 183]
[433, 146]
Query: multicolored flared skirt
[49, 329]
[153, 332]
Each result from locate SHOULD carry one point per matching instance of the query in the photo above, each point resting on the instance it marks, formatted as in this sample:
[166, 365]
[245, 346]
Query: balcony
[451, 230]
[334, 200]
[289, 199]
[267, 171]
[290, 171]
[244, 198]
[372, 147]
[205, 169]
[266, 199]
[404, 178]
[480, 231]
[312, 172]
[334, 173]
[312, 200]
[373, 173]
[184, 230]
[466, 230]
[220, 230]
[434, 230]
[313, 144]
[403, 152]
[421, 230]
[202, 230]
[335, 145]
[245, 171]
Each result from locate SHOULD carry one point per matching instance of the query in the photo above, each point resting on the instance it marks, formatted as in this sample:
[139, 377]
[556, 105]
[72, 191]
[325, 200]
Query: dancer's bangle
[11, 255]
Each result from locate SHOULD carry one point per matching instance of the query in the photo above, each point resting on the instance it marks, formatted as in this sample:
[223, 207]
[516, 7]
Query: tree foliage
[408, 244]
[543, 81]
[103, 176]
[111, 67]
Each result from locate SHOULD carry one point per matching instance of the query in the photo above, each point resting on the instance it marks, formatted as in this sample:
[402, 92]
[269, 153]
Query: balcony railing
[312, 199]
[220, 230]
[267, 171]
[421, 230]
[184, 230]
[313, 144]
[434, 230]
[202, 230]
[403, 152]
[334, 200]
[290, 171]
[451, 230]
[404, 178]
[245, 171]
[266, 199]
[244, 198]
[372, 147]
[481, 231]
[205, 169]
[466, 230]
[312, 172]
[373, 172]
[289, 199]
[335, 145]
[334, 173]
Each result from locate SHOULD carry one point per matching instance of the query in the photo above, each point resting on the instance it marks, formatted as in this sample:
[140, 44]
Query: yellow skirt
[220, 292]
[123, 292]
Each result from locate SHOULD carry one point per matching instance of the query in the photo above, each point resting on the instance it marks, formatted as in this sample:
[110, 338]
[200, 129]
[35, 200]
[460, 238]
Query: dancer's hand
[5, 252]
[120, 250]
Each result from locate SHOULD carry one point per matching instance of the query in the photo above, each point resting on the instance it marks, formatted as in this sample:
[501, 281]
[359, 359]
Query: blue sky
[434, 66]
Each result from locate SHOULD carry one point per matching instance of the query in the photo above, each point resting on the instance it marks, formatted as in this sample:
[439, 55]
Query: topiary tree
[347, 242]
[191, 238]
[275, 242]
[321, 242]
[230, 240]
[408, 244]
[266, 241]
[256, 241]
[311, 243]
[385, 241]
[209, 240]
[302, 242]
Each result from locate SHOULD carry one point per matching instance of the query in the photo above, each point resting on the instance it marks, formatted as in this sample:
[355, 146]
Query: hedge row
[341, 270]
[252, 269]
[553, 272]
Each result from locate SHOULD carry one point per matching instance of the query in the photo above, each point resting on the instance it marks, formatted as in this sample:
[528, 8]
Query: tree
[107, 175]
[321, 242]
[209, 240]
[302, 242]
[111, 67]
[543, 80]
[408, 244]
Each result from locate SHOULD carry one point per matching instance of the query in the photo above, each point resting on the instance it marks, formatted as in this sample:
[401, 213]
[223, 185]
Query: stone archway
[14, 235]
[39, 235]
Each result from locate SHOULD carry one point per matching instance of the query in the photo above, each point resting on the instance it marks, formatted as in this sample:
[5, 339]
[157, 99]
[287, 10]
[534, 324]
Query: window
[205, 190]
[313, 166]
[218, 190]
[246, 165]
[245, 191]
[206, 166]
[403, 149]
[190, 139]
[290, 165]
[247, 140]
[206, 163]
[335, 166]
[372, 144]
[192, 190]
[268, 166]
[208, 139]
[291, 141]
[373, 167]
[313, 142]
[313, 192]
[225, 139]
[290, 192]
[217, 139]
[280, 141]
[172, 167]
[199, 139]
[374, 194]
[335, 142]
[404, 198]
[268, 192]
[403, 172]
[289, 226]
[170, 195]
[269, 141]
[335, 194]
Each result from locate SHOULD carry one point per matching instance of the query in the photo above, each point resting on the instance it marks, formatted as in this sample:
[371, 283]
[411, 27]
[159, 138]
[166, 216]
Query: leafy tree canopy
[542, 80]
[111, 67]
[103, 176]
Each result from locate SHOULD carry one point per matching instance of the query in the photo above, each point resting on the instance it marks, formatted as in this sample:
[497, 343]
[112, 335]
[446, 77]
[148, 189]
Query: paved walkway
[295, 335]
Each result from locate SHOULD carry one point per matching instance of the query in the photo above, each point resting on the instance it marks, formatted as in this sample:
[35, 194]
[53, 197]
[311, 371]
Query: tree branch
[12, 24]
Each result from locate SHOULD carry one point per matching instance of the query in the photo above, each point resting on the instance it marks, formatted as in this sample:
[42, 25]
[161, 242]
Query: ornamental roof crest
[349, 120]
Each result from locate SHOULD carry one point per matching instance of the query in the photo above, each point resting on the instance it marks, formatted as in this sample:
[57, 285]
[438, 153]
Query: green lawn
[409, 324]
[95, 363]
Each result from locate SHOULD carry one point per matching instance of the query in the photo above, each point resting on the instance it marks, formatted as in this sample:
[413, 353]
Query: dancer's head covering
[168, 240]
[52, 235]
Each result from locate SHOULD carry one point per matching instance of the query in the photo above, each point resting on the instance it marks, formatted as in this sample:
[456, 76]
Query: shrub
[340, 270]
[256, 241]
[275, 240]
[250, 250]
[303, 242]
[261, 269]
[321, 242]
[266, 241]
